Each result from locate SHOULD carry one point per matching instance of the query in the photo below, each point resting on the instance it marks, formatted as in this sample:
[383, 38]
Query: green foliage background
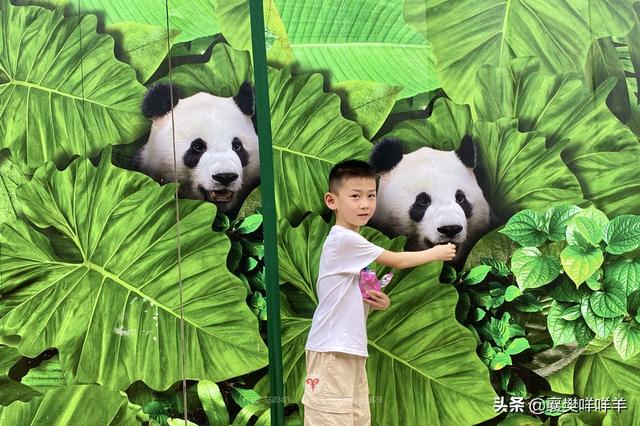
[89, 300]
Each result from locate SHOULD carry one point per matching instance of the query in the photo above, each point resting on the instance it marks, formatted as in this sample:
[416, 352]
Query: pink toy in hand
[369, 281]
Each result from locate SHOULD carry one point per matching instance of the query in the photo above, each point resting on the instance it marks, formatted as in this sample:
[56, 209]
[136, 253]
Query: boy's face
[354, 201]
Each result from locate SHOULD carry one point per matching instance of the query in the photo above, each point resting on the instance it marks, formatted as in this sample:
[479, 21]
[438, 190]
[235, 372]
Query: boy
[336, 390]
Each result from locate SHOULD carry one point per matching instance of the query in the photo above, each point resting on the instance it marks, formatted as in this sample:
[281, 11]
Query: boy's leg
[328, 389]
[361, 410]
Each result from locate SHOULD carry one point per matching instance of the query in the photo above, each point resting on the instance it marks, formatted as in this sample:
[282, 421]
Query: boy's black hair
[347, 169]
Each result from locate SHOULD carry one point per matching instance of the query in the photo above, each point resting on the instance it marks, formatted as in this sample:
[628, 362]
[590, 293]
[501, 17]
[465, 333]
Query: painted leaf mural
[408, 343]
[467, 34]
[69, 404]
[102, 284]
[359, 40]
[60, 96]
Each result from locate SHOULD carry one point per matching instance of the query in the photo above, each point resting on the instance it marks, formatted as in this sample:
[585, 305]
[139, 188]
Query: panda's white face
[431, 197]
[216, 149]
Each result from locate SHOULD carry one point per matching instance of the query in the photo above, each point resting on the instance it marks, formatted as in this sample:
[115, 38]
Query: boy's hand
[444, 252]
[378, 301]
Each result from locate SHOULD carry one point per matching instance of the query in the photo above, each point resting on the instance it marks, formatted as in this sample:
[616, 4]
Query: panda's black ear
[157, 100]
[244, 99]
[385, 155]
[467, 152]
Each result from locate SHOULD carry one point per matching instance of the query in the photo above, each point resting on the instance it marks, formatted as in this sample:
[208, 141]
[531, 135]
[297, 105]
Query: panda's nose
[450, 230]
[225, 178]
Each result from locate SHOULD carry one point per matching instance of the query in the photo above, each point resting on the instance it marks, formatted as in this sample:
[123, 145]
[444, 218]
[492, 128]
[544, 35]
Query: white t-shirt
[339, 322]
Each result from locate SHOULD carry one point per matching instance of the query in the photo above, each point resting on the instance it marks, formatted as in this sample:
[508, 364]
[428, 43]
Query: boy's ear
[330, 200]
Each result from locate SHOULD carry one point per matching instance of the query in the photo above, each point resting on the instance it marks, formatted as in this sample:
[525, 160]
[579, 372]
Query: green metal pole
[267, 187]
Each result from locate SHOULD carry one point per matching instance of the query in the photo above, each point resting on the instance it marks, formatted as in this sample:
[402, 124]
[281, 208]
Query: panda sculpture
[216, 144]
[430, 196]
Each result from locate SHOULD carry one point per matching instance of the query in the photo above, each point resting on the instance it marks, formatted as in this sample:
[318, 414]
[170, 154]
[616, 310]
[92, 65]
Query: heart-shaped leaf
[565, 331]
[611, 302]
[533, 269]
[626, 339]
[580, 263]
[557, 219]
[622, 234]
[527, 228]
[583, 231]
[103, 281]
[624, 271]
[603, 327]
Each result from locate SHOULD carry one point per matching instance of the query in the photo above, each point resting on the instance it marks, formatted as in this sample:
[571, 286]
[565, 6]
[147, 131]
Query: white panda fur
[203, 120]
[456, 209]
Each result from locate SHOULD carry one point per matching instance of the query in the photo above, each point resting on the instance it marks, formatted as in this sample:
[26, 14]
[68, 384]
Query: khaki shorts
[336, 391]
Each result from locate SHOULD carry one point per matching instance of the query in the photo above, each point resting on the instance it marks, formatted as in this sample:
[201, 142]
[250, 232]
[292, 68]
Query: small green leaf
[603, 327]
[583, 231]
[626, 272]
[221, 222]
[557, 219]
[626, 339]
[515, 330]
[496, 289]
[611, 302]
[462, 308]
[517, 345]
[633, 303]
[571, 313]
[487, 351]
[500, 361]
[561, 330]
[593, 282]
[580, 263]
[249, 264]
[595, 215]
[498, 267]
[584, 335]
[213, 403]
[517, 387]
[622, 234]
[448, 275]
[511, 293]
[527, 228]
[477, 314]
[527, 302]
[532, 269]
[250, 224]
[563, 290]
[477, 274]
[244, 397]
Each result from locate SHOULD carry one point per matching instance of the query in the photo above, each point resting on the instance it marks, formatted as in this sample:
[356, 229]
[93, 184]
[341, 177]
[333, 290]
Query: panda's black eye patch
[193, 154]
[198, 145]
[238, 148]
[419, 207]
[464, 203]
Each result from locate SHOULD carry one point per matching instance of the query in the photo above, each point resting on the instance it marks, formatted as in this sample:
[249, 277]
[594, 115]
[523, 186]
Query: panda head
[216, 144]
[430, 196]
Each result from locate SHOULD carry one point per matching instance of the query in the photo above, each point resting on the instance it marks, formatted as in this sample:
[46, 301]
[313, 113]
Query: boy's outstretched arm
[409, 259]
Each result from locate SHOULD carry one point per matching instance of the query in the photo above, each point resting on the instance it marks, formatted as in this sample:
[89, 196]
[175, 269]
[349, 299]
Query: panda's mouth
[216, 196]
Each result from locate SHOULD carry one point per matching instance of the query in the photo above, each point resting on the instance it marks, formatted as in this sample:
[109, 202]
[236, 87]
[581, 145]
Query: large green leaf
[580, 263]
[359, 40]
[562, 109]
[193, 18]
[102, 283]
[10, 177]
[467, 34]
[309, 137]
[73, 405]
[443, 130]
[422, 363]
[626, 339]
[619, 58]
[59, 95]
[12, 390]
[235, 25]
[604, 373]
[367, 103]
[626, 272]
